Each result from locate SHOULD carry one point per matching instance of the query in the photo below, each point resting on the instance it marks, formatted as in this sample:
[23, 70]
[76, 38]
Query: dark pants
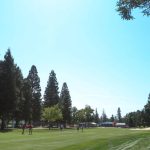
[30, 131]
[23, 130]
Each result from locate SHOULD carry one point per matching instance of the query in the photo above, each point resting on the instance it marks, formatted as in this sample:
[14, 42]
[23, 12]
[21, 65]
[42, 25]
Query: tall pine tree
[27, 105]
[119, 115]
[3, 103]
[7, 88]
[51, 95]
[112, 118]
[96, 116]
[147, 112]
[104, 116]
[19, 95]
[34, 81]
[65, 103]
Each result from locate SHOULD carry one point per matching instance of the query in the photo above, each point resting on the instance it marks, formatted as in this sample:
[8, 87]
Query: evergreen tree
[19, 95]
[74, 116]
[104, 116]
[27, 105]
[112, 119]
[136, 119]
[96, 118]
[139, 120]
[7, 88]
[3, 103]
[131, 119]
[34, 81]
[143, 118]
[147, 112]
[51, 96]
[119, 114]
[65, 103]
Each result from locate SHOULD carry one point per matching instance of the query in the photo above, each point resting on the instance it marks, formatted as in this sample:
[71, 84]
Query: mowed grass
[69, 139]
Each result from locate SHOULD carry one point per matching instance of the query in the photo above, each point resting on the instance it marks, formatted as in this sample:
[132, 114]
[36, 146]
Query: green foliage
[80, 116]
[74, 115]
[27, 104]
[119, 117]
[52, 114]
[65, 103]
[9, 73]
[20, 99]
[147, 112]
[96, 116]
[104, 116]
[112, 118]
[125, 7]
[7, 88]
[89, 113]
[19, 95]
[131, 119]
[83, 115]
[51, 95]
[135, 119]
[34, 81]
[139, 118]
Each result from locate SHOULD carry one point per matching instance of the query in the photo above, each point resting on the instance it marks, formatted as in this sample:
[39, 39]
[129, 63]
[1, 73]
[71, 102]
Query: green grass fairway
[89, 139]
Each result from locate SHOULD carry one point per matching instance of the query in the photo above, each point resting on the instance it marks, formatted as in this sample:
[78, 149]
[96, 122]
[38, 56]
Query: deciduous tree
[52, 114]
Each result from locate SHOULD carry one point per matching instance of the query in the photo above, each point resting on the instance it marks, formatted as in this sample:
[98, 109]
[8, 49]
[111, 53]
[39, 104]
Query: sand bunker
[141, 129]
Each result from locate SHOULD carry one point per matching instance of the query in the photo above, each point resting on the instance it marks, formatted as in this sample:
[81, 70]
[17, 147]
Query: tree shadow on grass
[6, 130]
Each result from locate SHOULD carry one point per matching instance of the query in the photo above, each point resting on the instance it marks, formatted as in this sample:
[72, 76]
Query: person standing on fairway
[82, 127]
[23, 128]
[30, 129]
[77, 127]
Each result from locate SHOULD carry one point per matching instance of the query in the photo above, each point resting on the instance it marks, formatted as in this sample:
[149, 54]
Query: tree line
[20, 98]
[139, 118]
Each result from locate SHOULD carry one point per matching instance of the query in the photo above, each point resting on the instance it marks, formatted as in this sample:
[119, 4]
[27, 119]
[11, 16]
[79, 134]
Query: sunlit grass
[89, 139]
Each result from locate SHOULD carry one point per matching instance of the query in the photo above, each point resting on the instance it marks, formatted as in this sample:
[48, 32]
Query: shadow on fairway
[6, 130]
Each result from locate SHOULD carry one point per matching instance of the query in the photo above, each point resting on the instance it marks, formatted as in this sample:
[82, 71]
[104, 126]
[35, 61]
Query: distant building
[88, 124]
[113, 124]
[106, 124]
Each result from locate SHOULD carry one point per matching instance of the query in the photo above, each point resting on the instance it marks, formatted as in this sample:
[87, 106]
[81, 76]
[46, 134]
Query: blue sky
[103, 59]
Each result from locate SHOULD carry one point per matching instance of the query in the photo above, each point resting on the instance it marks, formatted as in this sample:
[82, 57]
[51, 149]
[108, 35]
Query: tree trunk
[17, 124]
[3, 123]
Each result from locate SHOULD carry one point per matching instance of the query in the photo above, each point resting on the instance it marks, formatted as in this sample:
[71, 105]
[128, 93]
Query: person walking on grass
[30, 129]
[23, 128]
[77, 127]
[82, 127]
[61, 127]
